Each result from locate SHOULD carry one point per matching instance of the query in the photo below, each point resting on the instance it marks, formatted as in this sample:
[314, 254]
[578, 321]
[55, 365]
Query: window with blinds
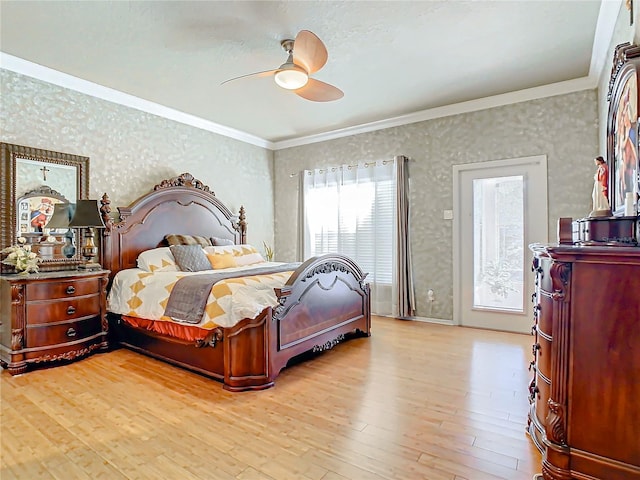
[354, 217]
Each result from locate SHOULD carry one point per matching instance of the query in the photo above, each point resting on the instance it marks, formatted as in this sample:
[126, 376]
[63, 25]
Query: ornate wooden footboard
[325, 301]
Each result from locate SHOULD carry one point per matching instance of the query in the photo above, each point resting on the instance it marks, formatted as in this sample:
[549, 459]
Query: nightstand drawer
[61, 289]
[52, 316]
[40, 336]
[61, 310]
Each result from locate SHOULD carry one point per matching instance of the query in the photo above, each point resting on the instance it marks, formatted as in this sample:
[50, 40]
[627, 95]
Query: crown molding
[40, 72]
[607, 18]
[560, 88]
[605, 28]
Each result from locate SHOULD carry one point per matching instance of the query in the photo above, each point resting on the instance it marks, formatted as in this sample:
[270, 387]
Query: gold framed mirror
[32, 180]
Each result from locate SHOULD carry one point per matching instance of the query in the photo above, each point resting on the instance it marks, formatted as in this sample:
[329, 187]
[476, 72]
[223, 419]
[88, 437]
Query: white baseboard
[440, 321]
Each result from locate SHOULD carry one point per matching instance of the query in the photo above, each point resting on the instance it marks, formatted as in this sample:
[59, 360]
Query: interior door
[500, 207]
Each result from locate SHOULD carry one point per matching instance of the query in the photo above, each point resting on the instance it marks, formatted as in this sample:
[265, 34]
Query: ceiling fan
[307, 55]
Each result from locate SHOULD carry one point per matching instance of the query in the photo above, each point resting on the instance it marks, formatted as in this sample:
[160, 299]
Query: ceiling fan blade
[318, 91]
[309, 52]
[266, 73]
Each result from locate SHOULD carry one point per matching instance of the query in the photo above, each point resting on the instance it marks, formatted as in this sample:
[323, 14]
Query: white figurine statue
[600, 195]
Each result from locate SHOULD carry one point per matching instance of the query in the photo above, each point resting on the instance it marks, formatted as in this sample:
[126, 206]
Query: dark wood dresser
[53, 316]
[585, 392]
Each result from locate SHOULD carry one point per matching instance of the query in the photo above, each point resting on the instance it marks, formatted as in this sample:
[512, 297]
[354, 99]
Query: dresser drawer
[62, 289]
[543, 355]
[542, 395]
[61, 310]
[45, 335]
[545, 314]
[543, 277]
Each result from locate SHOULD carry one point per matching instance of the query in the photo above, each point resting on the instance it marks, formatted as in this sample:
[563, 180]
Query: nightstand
[51, 316]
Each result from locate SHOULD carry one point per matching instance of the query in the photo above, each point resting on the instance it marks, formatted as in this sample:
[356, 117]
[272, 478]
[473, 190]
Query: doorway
[500, 207]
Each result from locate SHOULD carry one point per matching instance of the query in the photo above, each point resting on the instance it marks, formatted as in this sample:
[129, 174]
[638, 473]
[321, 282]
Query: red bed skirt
[183, 332]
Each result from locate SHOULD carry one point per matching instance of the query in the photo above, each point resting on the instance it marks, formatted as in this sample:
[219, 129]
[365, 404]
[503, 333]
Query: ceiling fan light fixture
[291, 78]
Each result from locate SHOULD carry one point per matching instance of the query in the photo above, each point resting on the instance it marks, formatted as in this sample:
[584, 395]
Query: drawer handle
[70, 290]
[71, 332]
[533, 393]
[535, 347]
[71, 310]
[534, 329]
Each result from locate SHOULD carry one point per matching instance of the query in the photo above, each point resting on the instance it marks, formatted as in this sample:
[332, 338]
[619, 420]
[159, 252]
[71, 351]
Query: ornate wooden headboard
[180, 205]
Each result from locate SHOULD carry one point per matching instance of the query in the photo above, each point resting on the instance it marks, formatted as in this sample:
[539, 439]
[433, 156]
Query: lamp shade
[62, 214]
[87, 215]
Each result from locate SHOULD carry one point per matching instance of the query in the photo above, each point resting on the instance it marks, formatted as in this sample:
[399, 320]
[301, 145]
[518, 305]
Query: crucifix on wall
[44, 173]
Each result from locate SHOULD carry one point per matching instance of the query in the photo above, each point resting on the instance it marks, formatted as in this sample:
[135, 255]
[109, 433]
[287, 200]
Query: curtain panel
[353, 210]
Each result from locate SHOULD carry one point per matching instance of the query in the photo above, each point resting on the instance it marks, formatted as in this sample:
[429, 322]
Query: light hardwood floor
[414, 401]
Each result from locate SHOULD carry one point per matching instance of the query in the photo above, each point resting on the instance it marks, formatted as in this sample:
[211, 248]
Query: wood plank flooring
[414, 401]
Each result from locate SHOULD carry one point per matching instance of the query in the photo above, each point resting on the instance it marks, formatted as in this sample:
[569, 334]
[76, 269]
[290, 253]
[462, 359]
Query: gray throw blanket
[189, 295]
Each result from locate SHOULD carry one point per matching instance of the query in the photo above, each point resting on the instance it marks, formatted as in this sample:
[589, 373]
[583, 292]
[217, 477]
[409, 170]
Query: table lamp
[62, 214]
[88, 216]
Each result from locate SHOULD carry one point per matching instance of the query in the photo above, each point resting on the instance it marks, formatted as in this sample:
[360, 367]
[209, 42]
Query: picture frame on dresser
[623, 157]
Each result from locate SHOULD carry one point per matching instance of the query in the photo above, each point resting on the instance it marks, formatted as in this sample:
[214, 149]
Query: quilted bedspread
[142, 294]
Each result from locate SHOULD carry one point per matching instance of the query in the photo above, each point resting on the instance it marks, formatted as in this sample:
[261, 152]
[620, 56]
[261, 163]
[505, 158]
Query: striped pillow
[176, 239]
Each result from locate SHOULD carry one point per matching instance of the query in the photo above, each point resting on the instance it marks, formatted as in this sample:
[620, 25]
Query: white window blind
[352, 211]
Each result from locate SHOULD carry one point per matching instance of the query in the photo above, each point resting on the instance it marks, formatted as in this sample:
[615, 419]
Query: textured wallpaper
[131, 151]
[565, 128]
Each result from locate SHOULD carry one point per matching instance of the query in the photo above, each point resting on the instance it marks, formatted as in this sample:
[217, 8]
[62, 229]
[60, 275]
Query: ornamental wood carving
[560, 275]
[184, 180]
[555, 423]
[17, 293]
[622, 54]
[104, 323]
[212, 339]
[105, 211]
[329, 344]
[17, 339]
[45, 191]
[71, 355]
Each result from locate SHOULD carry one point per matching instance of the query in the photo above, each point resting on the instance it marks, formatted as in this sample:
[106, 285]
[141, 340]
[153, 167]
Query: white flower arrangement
[21, 257]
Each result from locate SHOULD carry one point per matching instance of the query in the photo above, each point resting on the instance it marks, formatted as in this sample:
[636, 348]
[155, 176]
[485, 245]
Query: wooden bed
[325, 301]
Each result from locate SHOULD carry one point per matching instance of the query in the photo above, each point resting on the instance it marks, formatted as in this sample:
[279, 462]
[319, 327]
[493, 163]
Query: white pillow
[157, 260]
[249, 259]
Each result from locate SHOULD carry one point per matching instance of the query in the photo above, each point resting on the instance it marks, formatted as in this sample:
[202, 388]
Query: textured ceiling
[390, 58]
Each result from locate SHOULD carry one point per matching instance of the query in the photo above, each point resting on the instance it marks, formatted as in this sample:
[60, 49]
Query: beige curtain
[404, 266]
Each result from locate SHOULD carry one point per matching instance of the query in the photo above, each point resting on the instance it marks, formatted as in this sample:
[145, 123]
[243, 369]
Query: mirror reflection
[34, 217]
[38, 180]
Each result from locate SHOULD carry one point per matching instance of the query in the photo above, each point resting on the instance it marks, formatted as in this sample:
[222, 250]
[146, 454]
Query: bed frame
[325, 301]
